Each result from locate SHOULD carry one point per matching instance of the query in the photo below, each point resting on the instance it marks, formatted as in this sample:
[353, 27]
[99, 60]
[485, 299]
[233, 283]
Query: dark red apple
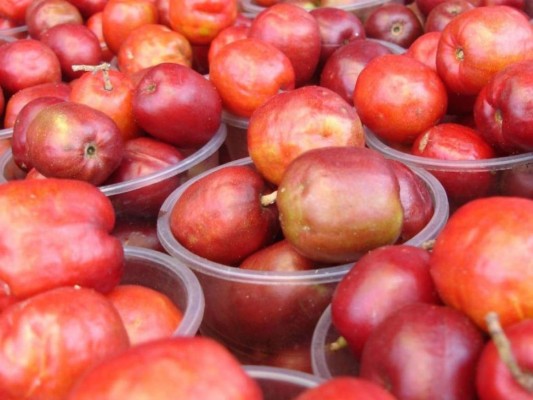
[379, 284]
[444, 12]
[44, 14]
[337, 28]
[274, 316]
[337, 203]
[88, 8]
[72, 140]
[17, 101]
[395, 23]
[416, 198]
[220, 216]
[518, 181]
[144, 156]
[505, 365]
[24, 118]
[342, 68]
[74, 44]
[25, 63]
[503, 110]
[178, 105]
[424, 351]
[295, 32]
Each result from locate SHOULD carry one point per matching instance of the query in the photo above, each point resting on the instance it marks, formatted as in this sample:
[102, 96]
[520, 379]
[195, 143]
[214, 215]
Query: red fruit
[379, 284]
[172, 368]
[482, 260]
[440, 341]
[59, 236]
[51, 339]
[147, 314]
[398, 97]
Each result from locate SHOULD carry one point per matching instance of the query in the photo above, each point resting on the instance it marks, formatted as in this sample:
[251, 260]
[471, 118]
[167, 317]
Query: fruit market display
[384, 186]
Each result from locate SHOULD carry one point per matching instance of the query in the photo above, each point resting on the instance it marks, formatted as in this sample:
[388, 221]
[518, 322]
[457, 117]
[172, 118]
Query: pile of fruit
[99, 92]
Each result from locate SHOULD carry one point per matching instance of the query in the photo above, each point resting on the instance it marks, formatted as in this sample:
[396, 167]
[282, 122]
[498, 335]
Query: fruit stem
[104, 67]
[524, 379]
[269, 199]
[338, 344]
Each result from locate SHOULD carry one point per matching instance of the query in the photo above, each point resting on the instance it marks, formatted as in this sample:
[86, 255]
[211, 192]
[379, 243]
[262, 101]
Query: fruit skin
[142, 156]
[16, 102]
[416, 198]
[453, 141]
[493, 378]
[268, 318]
[74, 141]
[298, 120]
[24, 117]
[482, 260]
[424, 351]
[337, 203]
[337, 27]
[151, 44]
[121, 17]
[201, 20]
[295, 32]
[503, 111]
[49, 340]
[344, 65]
[175, 368]
[346, 388]
[147, 314]
[112, 93]
[380, 283]
[480, 42]
[177, 105]
[25, 63]
[265, 69]
[57, 233]
[220, 216]
[74, 44]
[398, 97]
[395, 23]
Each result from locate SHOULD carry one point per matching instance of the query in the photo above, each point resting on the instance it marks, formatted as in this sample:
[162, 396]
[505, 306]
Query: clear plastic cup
[220, 281]
[159, 271]
[281, 383]
[361, 8]
[129, 196]
[329, 360]
[502, 176]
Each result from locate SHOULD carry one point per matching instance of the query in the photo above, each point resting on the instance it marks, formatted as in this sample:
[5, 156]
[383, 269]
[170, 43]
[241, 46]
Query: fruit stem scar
[90, 149]
[104, 67]
[269, 199]
[524, 379]
[459, 54]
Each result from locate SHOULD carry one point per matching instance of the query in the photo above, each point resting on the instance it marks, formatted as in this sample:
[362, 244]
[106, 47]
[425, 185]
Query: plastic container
[236, 140]
[130, 197]
[280, 338]
[11, 34]
[361, 8]
[281, 383]
[327, 359]
[165, 274]
[510, 175]
[6, 133]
